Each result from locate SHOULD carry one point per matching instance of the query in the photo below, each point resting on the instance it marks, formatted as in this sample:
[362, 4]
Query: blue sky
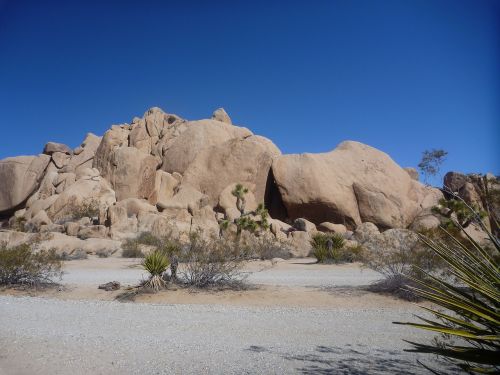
[402, 76]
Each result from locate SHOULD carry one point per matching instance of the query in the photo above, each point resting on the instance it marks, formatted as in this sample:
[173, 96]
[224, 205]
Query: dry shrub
[75, 255]
[399, 258]
[132, 249]
[212, 263]
[21, 266]
[267, 247]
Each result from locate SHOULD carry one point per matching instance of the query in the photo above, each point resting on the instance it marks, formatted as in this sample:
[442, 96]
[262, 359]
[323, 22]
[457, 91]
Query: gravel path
[45, 336]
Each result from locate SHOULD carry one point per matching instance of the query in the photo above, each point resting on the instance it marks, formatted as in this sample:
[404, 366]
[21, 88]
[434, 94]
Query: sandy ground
[298, 317]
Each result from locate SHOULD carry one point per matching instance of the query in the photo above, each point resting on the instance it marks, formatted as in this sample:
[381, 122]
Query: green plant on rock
[156, 263]
[470, 321]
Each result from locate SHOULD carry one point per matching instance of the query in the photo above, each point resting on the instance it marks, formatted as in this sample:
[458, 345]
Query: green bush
[21, 266]
[327, 248]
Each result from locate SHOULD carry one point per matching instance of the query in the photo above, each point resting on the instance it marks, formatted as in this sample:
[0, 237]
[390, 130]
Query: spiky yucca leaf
[473, 315]
[156, 264]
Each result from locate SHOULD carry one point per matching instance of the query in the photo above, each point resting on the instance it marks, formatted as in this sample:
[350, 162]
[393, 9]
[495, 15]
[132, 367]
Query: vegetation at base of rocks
[212, 263]
[399, 266]
[431, 161]
[457, 209]
[103, 253]
[155, 263]
[331, 248]
[268, 248]
[466, 316]
[21, 266]
[132, 247]
[75, 255]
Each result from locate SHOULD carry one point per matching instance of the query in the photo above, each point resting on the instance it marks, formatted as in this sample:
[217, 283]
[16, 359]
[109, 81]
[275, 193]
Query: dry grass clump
[21, 266]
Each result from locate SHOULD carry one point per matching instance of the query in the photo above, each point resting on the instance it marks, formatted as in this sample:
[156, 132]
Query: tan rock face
[198, 136]
[246, 161]
[134, 174]
[352, 184]
[82, 192]
[85, 158]
[19, 178]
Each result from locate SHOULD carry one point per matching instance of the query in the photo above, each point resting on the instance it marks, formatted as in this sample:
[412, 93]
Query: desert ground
[295, 316]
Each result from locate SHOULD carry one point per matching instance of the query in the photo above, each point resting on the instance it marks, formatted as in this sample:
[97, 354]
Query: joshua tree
[464, 214]
[239, 192]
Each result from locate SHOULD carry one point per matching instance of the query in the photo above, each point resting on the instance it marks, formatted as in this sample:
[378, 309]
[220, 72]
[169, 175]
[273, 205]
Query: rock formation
[165, 174]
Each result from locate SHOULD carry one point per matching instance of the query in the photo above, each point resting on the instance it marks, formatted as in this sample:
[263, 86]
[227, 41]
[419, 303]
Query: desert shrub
[103, 253]
[156, 263]
[466, 312]
[212, 262]
[21, 266]
[268, 247]
[327, 247]
[88, 208]
[131, 248]
[399, 259]
[352, 254]
[75, 255]
[149, 239]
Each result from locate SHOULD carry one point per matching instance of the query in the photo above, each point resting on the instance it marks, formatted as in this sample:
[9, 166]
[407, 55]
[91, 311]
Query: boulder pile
[164, 174]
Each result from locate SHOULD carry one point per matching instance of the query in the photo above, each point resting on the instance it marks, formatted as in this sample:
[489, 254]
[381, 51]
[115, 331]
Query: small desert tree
[239, 192]
[464, 215]
[431, 161]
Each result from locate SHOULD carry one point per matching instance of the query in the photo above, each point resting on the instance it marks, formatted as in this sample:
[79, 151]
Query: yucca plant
[471, 316]
[326, 247]
[156, 264]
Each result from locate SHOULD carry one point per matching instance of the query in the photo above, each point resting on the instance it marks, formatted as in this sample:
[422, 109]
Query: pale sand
[288, 283]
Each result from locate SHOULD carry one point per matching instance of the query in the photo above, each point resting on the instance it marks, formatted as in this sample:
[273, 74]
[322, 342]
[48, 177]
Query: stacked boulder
[168, 175]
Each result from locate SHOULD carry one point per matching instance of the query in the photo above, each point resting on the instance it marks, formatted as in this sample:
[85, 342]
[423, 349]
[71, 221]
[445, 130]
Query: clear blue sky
[402, 75]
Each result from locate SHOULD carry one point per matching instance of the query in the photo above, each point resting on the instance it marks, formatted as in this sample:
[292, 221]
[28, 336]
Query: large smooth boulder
[19, 178]
[134, 173]
[247, 161]
[199, 135]
[113, 139]
[352, 184]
